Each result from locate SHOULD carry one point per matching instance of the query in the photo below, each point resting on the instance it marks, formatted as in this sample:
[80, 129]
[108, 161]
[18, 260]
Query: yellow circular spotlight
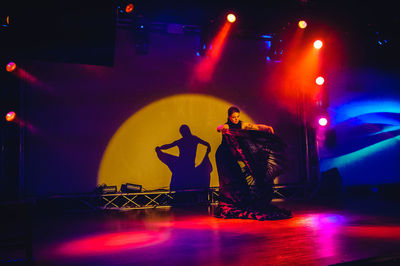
[130, 155]
[318, 44]
[320, 80]
[302, 24]
[231, 18]
[11, 67]
[10, 116]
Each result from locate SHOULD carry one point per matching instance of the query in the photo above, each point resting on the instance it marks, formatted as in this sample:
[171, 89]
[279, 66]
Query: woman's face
[234, 117]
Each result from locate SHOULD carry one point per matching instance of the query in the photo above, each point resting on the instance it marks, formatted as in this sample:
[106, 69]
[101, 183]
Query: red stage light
[129, 8]
[322, 121]
[320, 80]
[318, 44]
[10, 116]
[302, 24]
[231, 18]
[11, 67]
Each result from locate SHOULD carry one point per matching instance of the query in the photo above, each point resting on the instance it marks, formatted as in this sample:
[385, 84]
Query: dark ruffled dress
[248, 161]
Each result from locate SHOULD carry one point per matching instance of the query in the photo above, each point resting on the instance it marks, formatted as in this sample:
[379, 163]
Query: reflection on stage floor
[318, 234]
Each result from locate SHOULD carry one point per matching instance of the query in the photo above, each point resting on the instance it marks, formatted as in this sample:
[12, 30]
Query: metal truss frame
[162, 198]
[138, 200]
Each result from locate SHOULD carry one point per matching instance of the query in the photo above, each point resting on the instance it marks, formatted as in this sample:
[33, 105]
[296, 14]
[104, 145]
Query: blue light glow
[269, 44]
[266, 36]
[379, 118]
[357, 109]
[386, 129]
[348, 159]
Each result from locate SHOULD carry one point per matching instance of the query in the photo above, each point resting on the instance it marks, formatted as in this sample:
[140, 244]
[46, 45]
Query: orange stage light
[320, 80]
[10, 116]
[302, 24]
[231, 18]
[129, 8]
[11, 67]
[318, 44]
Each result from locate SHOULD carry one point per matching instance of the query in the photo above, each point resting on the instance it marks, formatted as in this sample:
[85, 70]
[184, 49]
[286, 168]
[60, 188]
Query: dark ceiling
[369, 29]
[82, 25]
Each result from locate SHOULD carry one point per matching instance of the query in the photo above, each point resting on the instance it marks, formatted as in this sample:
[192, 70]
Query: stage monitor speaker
[331, 184]
[130, 188]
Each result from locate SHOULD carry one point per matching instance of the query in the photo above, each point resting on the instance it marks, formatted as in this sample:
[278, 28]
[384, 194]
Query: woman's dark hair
[233, 109]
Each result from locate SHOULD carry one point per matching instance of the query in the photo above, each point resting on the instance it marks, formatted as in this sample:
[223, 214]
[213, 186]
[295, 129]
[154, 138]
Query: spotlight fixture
[275, 49]
[231, 17]
[6, 21]
[141, 36]
[104, 189]
[302, 24]
[11, 66]
[323, 121]
[129, 8]
[320, 80]
[10, 116]
[318, 44]
[129, 188]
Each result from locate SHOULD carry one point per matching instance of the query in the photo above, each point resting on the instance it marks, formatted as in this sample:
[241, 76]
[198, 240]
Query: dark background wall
[80, 107]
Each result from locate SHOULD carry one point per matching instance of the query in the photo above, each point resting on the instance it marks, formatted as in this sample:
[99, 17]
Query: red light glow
[10, 116]
[205, 69]
[300, 68]
[11, 67]
[320, 80]
[112, 242]
[231, 18]
[318, 44]
[302, 24]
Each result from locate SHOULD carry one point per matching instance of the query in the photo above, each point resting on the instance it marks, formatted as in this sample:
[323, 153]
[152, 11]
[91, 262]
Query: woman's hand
[261, 127]
[222, 128]
[269, 129]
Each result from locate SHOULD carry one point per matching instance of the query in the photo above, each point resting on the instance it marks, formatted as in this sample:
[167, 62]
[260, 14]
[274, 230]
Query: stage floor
[318, 234]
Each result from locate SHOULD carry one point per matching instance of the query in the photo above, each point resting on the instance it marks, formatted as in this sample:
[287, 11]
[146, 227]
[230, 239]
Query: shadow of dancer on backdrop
[185, 175]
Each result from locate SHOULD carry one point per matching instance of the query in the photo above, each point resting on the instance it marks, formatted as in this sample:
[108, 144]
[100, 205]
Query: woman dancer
[246, 191]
